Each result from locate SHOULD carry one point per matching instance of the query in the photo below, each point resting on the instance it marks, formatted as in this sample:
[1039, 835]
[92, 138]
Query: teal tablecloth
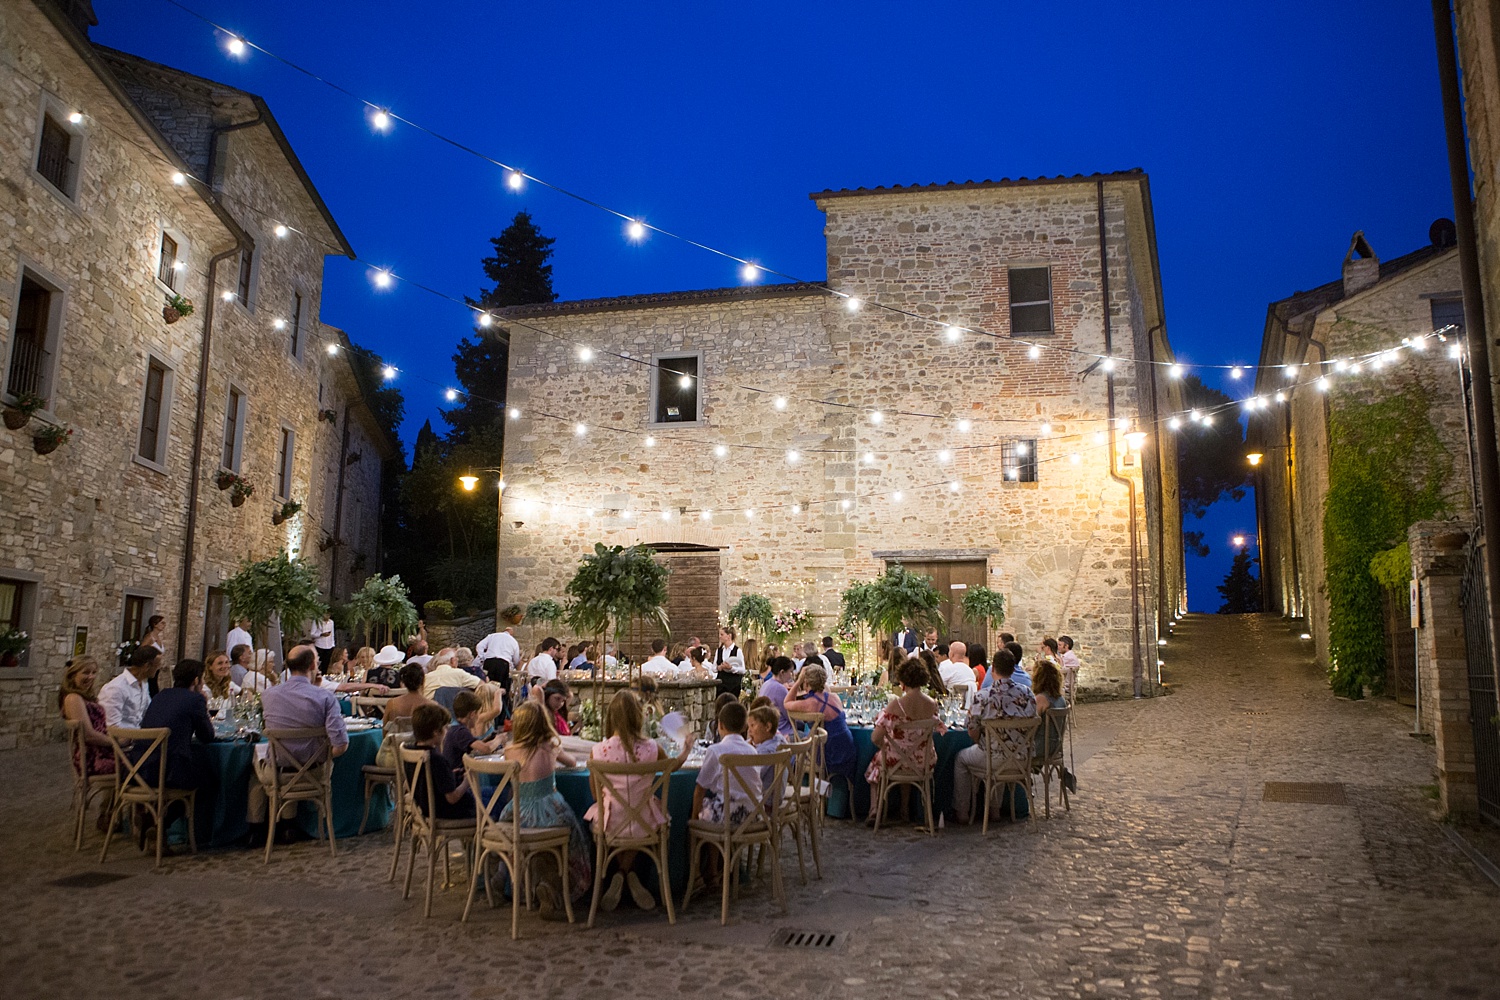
[948, 745]
[221, 815]
[574, 786]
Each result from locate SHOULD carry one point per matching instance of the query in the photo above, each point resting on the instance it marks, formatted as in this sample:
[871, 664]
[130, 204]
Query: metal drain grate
[1311, 792]
[88, 880]
[788, 937]
[1257, 713]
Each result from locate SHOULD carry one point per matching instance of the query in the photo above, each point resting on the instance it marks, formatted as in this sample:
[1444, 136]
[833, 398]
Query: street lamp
[469, 482]
[1254, 458]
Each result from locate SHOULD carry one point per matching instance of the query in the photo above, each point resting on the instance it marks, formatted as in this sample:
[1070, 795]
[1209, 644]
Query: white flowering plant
[13, 641]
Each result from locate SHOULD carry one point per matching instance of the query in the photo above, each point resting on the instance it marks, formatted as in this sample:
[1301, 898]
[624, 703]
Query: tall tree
[1241, 587]
[522, 276]
[1210, 459]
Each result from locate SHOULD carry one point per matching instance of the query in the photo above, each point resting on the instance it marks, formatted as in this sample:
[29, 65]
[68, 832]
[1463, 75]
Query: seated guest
[400, 708]
[1047, 687]
[241, 662]
[385, 666]
[554, 696]
[895, 746]
[698, 668]
[126, 696]
[362, 662]
[712, 733]
[78, 703]
[467, 736]
[534, 745]
[893, 660]
[832, 657]
[799, 657]
[625, 742]
[463, 659]
[807, 694]
[492, 703]
[183, 711]
[454, 800]
[761, 725]
[934, 683]
[1069, 662]
[645, 688]
[217, 677]
[296, 704]
[708, 794]
[442, 673]
[782, 671]
[416, 652]
[263, 674]
[1001, 700]
[658, 665]
[1006, 639]
[957, 670]
[1019, 676]
[338, 663]
[543, 666]
[685, 662]
[979, 661]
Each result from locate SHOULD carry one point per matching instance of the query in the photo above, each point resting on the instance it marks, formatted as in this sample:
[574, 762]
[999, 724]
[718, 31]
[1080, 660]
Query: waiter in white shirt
[500, 645]
[240, 635]
[322, 637]
[729, 662]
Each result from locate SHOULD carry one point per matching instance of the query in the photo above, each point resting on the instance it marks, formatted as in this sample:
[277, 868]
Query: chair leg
[273, 813]
[515, 895]
[927, 801]
[396, 848]
[432, 845]
[984, 829]
[365, 816]
[474, 888]
[728, 857]
[192, 821]
[411, 865]
[694, 847]
[562, 878]
[80, 807]
[812, 839]
[328, 822]
[109, 833]
[797, 839]
[161, 830]
[664, 877]
[600, 863]
[879, 803]
[776, 882]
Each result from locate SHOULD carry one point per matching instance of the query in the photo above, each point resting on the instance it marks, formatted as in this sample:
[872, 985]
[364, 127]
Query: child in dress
[765, 738]
[534, 745]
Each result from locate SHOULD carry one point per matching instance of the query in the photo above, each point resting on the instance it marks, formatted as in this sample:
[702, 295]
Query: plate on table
[361, 725]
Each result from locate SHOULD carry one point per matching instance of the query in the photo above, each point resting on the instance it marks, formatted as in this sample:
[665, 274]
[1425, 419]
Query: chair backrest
[288, 773]
[737, 769]
[77, 751]
[1008, 742]
[816, 764]
[414, 769]
[614, 797]
[910, 753]
[444, 696]
[508, 773]
[369, 705]
[134, 776]
[813, 721]
[799, 769]
[1056, 723]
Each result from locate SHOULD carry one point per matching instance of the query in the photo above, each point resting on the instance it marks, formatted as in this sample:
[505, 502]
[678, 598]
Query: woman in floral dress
[893, 744]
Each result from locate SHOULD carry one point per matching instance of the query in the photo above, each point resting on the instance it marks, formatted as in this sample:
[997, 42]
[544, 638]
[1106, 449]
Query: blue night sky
[1271, 132]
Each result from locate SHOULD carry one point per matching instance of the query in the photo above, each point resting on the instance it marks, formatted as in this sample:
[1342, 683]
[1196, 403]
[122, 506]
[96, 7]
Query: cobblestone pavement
[1169, 878]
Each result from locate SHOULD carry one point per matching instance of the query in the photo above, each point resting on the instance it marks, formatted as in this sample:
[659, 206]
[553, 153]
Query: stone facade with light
[798, 528]
[1374, 306]
[95, 526]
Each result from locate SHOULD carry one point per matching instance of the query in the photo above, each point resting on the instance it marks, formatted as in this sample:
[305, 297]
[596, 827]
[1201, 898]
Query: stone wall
[799, 531]
[460, 631]
[694, 699]
[1442, 661]
[1478, 28]
[89, 524]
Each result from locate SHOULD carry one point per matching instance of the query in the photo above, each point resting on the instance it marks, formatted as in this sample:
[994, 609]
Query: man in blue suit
[906, 639]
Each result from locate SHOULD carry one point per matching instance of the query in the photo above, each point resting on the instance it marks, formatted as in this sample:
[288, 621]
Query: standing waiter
[730, 663]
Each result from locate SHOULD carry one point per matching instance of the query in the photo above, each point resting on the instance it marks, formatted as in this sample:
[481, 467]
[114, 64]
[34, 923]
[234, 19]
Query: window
[675, 388]
[1446, 313]
[59, 149]
[18, 607]
[166, 270]
[1018, 460]
[245, 284]
[1030, 300]
[296, 325]
[215, 620]
[10, 603]
[156, 411]
[284, 464]
[137, 613]
[234, 430]
[33, 342]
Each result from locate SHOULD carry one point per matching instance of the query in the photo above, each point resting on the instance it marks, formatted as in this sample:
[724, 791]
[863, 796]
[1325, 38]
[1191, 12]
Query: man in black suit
[906, 639]
[182, 709]
[834, 657]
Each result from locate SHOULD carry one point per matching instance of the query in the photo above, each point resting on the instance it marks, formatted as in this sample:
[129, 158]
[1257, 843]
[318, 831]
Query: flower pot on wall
[237, 499]
[16, 419]
[45, 445]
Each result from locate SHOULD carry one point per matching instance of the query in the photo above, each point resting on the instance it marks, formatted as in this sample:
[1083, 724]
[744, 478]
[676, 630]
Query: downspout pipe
[195, 466]
[1476, 333]
[1154, 416]
[338, 512]
[1137, 667]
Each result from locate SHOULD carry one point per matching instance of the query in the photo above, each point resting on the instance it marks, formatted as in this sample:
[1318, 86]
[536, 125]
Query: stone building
[123, 182]
[1373, 306]
[787, 439]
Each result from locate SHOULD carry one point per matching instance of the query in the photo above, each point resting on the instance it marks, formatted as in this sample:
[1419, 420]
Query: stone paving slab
[1170, 877]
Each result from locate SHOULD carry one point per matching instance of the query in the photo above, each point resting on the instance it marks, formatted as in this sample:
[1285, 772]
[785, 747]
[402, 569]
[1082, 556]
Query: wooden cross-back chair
[1004, 764]
[613, 785]
[428, 831]
[86, 787]
[141, 780]
[912, 767]
[508, 841]
[760, 826]
[290, 781]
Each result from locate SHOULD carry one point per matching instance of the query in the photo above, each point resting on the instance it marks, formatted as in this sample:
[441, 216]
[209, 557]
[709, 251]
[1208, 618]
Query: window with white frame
[285, 451]
[156, 412]
[35, 334]
[235, 408]
[1018, 460]
[59, 148]
[676, 388]
[170, 262]
[1030, 300]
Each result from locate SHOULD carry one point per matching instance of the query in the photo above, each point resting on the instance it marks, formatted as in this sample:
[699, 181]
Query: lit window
[676, 389]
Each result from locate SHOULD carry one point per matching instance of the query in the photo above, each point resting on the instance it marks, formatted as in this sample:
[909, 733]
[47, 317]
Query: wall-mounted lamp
[469, 482]
[1254, 457]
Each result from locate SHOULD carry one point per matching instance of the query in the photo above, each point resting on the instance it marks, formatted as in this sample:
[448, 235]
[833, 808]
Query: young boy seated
[468, 712]
[708, 796]
[453, 799]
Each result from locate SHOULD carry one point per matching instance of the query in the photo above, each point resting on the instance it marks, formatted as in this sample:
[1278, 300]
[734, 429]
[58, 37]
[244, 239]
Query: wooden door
[951, 579]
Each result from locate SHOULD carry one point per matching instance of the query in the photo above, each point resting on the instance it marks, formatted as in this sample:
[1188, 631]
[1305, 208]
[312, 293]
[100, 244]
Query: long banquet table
[948, 745]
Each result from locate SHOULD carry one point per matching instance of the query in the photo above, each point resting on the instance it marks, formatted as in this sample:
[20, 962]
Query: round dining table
[573, 783]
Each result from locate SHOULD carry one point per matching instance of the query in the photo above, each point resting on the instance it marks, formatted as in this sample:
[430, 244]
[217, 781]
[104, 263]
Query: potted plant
[49, 438]
[512, 614]
[439, 610]
[981, 604]
[241, 490]
[544, 611]
[224, 479]
[384, 602]
[19, 410]
[13, 643]
[177, 307]
[900, 597]
[287, 510]
[611, 587]
[327, 415]
[279, 587]
[854, 617]
[753, 613]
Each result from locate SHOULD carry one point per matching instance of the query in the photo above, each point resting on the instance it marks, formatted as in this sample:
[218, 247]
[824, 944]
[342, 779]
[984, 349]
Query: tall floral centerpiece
[900, 597]
[981, 604]
[382, 604]
[279, 587]
[855, 610]
[612, 586]
[790, 622]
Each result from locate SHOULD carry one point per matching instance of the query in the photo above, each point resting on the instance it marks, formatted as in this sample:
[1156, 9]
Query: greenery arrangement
[280, 587]
[1392, 568]
[382, 604]
[240, 490]
[49, 437]
[512, 614]
[1387, 469]
[792, 621]
[179, 304]
[854, 617]
[438, 611]
[288, 509]
[544, 611]
[13, 641]
[753, 613]
[900, 597]
[981, 604]
[612, 586]
[19, 410]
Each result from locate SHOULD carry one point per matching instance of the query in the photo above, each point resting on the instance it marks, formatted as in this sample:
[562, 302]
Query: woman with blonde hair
[625, 742]
[216, 676]
[534, 745]
[78, 701]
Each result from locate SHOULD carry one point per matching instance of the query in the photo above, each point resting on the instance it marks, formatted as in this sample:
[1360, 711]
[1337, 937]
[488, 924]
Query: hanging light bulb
[381, 119]
[1046, 429]
[333, 349]
[1021, 448]
[897, 496]
[852, 304]
[869, 458]
[580, 428]
[515, 414]
[844, 504]
[952, 334]
[1109, 364]
[485, 319]
[796, 508]
[1033, 352]
[792, 456]
[1340, 365]
[965, 426]
[1208, 421]
[1100, 437]
[1290, 371]
[650, 441]
[635, 230]
[953, 486]
[1455, 350]
[451, 395]
[236, 46]
[945, 456]
[281, 231]
[514, 179]
[780, 403]
[1175, 423]
[749, 273]
[720, 451]
[382, 278]
[585, 354]
[278, 323]
[749, 513]
[1281, 397]
[707, 515]
[1420, 344]
[1236, 372]
[388, 373]
[1175, 371]
[876, 417]
[666, 515]
[1075, 458]
[76, 117]
[179, 178]
[1195, 416]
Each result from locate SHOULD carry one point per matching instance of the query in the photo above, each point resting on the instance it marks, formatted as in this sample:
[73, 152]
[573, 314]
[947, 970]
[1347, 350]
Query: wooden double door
[952, 579]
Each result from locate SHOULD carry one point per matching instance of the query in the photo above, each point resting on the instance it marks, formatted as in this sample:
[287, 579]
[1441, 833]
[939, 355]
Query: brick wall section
[1057, 549]
[1438, 566]
[1478, 29]
[88, 520]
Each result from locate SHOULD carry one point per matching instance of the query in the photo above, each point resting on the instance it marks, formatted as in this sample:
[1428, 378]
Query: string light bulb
[666, 515]
[1175, 423]
[852, 304]
[635, 230]
[514, 180]
[1175, 371]
[965, 426]
[388, 372]
[720, 451]
[1455, 350]
[1046, 429]
[179, 178]
[945, 456]
[686, 381]
[227, 296]
[236, 46]
[485, 319]
[451, 395]
[281, 231]
[1099, 437]
[796, 508]
[76, 117]
[749, 273]
[650, 441]
[1075, 458]
[1290, 371]
[952, 334]
[876, 417]
[333, 349]
[580, 428]
[953, 486]
[706, 515]
[1236, 372]
[382, 278]
[792, 456]
[1021, 448]
[1281, 397]
[585, 354]
[780, 403]
[1033, 352]
[381, 120]
[278, 323]
[845, 504]
[897, 496]
[750, 513]
[1109, 364]
[869, 458]
[515, 414]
